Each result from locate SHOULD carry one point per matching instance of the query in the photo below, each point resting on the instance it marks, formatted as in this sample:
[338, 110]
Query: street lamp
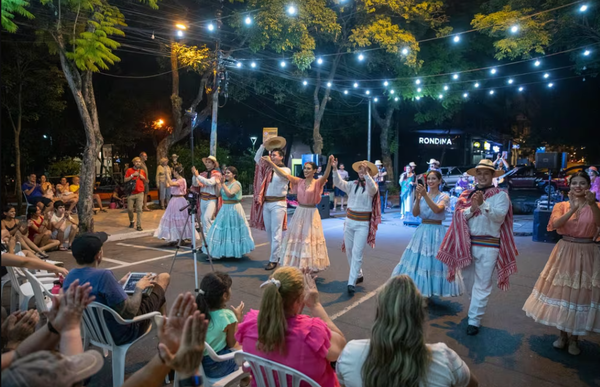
[48, 138]
[253, 139]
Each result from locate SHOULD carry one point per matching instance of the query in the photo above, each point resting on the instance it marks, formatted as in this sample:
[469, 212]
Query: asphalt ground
[510, 350]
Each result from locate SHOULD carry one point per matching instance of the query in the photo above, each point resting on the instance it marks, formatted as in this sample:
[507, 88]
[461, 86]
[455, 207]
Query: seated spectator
[118, 197]
[39, 232]
[63, 192]
[34, 192]
[29, 262]
[47, 188]
[18, 231]
[215, 293]
[64, 228]
[278, 332]
[397, 354]
[75, 189]
[87, 250]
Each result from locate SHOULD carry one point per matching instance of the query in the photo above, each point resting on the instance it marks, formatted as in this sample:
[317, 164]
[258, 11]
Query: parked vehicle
[451, 175]
[527, 178]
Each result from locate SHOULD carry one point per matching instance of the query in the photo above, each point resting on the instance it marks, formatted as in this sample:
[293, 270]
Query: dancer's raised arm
[280, 172]
[325, 176]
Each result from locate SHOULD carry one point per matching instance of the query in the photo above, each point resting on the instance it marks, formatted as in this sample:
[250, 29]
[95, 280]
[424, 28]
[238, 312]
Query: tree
[31, 88]
[9, 9]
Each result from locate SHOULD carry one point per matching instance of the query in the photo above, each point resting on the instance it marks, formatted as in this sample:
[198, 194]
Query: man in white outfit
[363, 208]
[480, 239]
[207, 181]
[269, 205]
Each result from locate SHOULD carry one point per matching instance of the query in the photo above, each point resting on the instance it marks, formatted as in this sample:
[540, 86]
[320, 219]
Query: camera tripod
[191, 221]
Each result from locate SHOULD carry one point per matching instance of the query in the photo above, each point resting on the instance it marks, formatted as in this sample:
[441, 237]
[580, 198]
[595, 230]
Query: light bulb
[456, 39]
[419, 89]
[328, 84]
[367, 92]
[392, 91]
[305, 83]
[291, 10]
[396, 99]
[491, 92]
[248, 20]
[405, 51]
[455, 77]
[583, 8]
[386, 83]
[361, 57]
[550, 84]
[493, 71]
[465, 95]
[537, 63]
[418, 81]
[476, 84]
[514, 29]
[355, 85]
[510, 81]
[319, 61]
[180, 34]
[282, 63]
[345, 91]
[586, 52]
[211, 27]
[440, 96]
[253, 64]
[238, 64]
[417, 98]
[546, 75]
[521, 88]
[446, 87]
[375, 99]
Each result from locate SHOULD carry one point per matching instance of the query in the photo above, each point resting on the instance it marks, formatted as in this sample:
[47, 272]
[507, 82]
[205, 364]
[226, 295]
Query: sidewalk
[116, 223]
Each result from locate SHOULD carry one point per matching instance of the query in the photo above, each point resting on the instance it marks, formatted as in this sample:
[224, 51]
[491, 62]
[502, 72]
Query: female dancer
[174, 225]
[418, 260]
[567, 293]
[407, 194]
[39, 233]
[304, 243]
[229, 235]
[19, 231]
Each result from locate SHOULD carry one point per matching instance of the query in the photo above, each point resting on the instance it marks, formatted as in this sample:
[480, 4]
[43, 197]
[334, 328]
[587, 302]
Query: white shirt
[493, 212]
[357, 199]
[446, 369]
[278, 187]
[209, 184]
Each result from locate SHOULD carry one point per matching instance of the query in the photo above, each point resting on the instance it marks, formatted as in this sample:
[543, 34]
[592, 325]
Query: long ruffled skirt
[230, 236]
[567, 292]
[420, 264]
[175, 224]
[304, 243]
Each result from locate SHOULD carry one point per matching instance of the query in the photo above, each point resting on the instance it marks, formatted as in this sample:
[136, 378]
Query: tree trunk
[385, 125]
[319, 105]
[17, 131]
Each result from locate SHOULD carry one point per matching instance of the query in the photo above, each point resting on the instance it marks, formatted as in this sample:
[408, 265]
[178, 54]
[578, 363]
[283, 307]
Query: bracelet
[52, 329]
[193, 381]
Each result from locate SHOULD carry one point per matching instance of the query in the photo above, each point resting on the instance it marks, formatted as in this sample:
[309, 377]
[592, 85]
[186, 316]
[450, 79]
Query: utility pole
[369, 141]
[216, 85]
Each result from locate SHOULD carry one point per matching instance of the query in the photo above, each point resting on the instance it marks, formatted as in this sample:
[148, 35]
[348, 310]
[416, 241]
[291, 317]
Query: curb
[524, 233]
[130, 235]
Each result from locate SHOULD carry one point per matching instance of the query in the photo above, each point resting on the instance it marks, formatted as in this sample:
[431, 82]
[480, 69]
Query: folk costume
[567, 293]
[408, 181]
[269, 204]
[230, 235]
[210, 202]
[174, 224]
[363, 215]
[419, 261]
[479, 241]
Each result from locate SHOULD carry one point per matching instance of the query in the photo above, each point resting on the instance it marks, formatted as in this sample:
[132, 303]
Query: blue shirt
[37, 191]
[108, 292]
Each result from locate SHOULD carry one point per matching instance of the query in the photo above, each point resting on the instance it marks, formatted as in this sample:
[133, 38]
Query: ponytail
[276, 303]
[212, 288]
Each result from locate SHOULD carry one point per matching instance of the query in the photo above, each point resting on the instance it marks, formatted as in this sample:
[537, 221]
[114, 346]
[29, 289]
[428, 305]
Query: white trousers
[207, 209]
[355, 239]
[478, 280]
[273, 215]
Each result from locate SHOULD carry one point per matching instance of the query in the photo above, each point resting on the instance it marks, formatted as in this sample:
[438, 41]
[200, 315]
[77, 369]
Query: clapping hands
[421, 190]
[476, 200]
[67, 309]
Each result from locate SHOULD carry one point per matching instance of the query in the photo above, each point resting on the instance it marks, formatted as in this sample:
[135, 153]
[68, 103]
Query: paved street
[511, 349]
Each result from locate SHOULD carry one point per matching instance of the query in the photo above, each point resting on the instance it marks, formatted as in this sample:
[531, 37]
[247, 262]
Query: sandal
[42, 255]
[63, 248]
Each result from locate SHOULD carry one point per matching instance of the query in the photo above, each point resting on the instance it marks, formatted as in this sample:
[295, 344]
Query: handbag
[129, 186]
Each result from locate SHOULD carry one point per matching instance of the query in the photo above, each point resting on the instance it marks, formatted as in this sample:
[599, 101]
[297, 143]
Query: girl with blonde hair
[396, 354]
[281, 334]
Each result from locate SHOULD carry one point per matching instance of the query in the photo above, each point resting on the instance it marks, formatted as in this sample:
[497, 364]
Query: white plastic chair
[96, 332]
[264, 371]
[21, 292]
[27, 204]
[233, 379]
[43, 297]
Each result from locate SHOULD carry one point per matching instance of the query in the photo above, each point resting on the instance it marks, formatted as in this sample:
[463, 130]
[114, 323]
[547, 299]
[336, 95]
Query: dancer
[269, 204]
[407, 185]
[230, 236]
[304, 244]
[567, 293]
[206, 182]
[363, 216]
[480, 238]
[174, 225]
[337, 192]
[163, 174]
[418, 260]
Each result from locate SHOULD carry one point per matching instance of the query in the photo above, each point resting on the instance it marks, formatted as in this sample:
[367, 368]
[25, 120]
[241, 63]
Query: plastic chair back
[264, 371]
[43, 297]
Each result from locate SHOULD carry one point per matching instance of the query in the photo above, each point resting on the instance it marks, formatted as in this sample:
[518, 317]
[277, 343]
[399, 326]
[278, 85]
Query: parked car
[526, 178]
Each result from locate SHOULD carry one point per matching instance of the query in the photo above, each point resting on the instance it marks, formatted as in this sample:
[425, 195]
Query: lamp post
[48, 138]
[253, 139]
[369, 141]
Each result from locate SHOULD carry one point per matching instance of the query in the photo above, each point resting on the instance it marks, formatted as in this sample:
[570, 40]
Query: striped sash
[231, 201]
[271, 199]
[485, 241]
[358, 216]
[431, 221]
[207, 196]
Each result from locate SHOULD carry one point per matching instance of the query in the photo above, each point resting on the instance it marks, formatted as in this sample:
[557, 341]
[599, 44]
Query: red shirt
[139, 184]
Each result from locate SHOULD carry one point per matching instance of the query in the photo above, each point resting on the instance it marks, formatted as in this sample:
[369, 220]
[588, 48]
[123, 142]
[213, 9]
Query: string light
[440, 96]
[537, 63]
[392, 91]
[375, 99]
[550, 84]
[455, 77]
[346, 92]
[583, 8]
[510, 81]
[305, 83]
[291, 10]
[361, 57]
[476, 84]
[514, 29]
[238, 65]
[386, 83]
[456, 39]
[493, 71]
[419, 89]
[396, 99]
[491, 92]
[180, 34]
[367, 92]
[586, 53]
[328, 84]
[320, 61]
[417, 98]
[248, 20]
[546, 75]
[181, 26]
[418, 81]
[521, 88]
[405, 51]
[465, 95]
[211, 27]
[355, 85]
[282, 63]
[446, 87]
[253, 64]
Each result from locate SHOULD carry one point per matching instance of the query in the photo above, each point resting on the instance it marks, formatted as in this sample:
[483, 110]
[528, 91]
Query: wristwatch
[194, 381]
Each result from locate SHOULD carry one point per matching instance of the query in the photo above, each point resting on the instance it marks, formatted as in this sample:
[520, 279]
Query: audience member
[39, 233]
[64, 193]
[18, 232]
[17, 327]
[33, 192]
[14, 260]
[75, 189]
[118, 197]
[64, 228]
[397, 354]
[278, 332]
[136, 196]
[144, 158]
[215, 293]
[87, 250]
[47, 188]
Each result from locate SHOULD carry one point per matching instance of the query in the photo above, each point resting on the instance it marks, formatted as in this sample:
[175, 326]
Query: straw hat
[592, 169]
[275, 143]
[433, 161]
[412, 164]
[211, 158]
[372, 167]
[485, 164]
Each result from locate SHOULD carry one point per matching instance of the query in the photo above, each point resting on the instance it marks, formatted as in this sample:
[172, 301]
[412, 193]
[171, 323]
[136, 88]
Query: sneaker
[360, 280]
[472, 330]
[103, 210]
[271, 266]
[139, 228]
[351, 289]
[574, 347]
[131, 225]
[560, 343]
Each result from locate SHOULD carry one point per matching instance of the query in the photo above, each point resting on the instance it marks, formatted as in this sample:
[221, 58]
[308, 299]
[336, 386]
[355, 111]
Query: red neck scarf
[455, 250]
[263, 175]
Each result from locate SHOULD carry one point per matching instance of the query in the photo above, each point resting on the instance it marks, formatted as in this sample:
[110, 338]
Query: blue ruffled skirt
[420, 264]
[229, 235]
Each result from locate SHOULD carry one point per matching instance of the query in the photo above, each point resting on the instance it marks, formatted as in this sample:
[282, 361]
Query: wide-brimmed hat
[275, 143]
[378, 162]
[211, 158]
[372, 167]
[485, 164]
[174, 155]
[433, 161]
[593, 170]
[412, 164]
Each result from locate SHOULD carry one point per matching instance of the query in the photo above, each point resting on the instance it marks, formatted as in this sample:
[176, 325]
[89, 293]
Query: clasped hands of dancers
[441, 262]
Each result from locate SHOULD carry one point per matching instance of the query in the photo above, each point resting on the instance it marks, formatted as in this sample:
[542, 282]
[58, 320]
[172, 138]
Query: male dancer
[480, 239]
[209, 198]
[363, 216]
[269, 205]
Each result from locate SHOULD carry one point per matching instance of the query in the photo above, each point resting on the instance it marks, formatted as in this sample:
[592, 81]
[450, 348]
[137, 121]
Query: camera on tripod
[192, 199]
